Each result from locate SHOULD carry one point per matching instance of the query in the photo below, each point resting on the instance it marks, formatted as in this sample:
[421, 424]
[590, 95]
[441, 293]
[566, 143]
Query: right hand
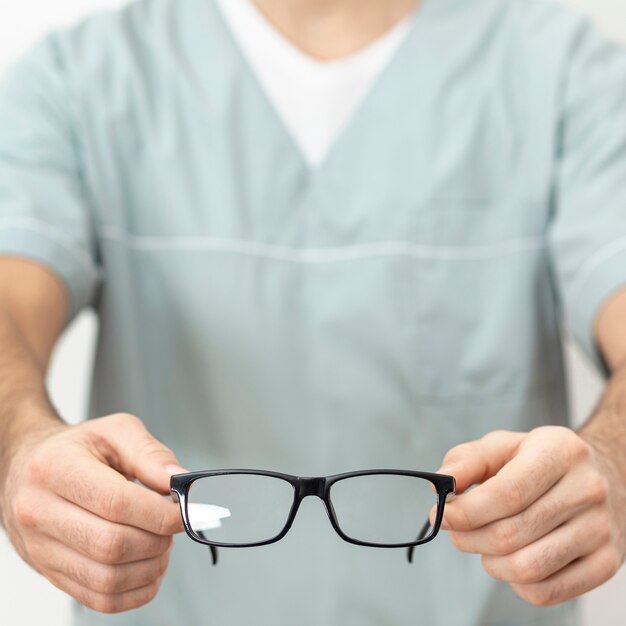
[73, 512]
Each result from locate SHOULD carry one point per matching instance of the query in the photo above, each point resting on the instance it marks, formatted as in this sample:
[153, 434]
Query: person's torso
[371, 312]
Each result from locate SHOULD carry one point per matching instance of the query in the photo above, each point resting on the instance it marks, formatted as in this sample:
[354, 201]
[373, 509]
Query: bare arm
[606, 429]
[610, 330]
[37, 302]
[33, 306]
[68, 499]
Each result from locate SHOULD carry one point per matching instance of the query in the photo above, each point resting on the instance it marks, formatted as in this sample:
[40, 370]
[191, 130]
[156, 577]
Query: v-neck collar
[301, 87]
[227, 61]
[351, 128]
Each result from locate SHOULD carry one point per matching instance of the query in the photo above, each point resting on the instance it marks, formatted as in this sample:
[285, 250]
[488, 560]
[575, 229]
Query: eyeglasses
[241, 508]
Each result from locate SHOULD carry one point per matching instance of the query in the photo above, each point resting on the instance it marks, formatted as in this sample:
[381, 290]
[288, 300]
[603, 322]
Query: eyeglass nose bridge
[315, 486]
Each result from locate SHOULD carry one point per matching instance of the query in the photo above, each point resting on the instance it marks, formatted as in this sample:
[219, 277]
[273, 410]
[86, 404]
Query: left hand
[548, 516]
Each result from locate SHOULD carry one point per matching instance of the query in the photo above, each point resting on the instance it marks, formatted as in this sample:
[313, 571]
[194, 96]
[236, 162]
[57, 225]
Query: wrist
[19, 431]
[605, 442]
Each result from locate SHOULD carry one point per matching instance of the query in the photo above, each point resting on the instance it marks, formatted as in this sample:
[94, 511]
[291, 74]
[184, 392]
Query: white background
[27, 599]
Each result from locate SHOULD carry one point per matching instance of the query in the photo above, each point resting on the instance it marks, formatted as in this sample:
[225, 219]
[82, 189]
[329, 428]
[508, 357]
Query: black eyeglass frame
[319, 486]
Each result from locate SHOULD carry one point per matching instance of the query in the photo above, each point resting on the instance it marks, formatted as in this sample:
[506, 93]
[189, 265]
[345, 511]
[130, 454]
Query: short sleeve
[587, 236]
[44, 213]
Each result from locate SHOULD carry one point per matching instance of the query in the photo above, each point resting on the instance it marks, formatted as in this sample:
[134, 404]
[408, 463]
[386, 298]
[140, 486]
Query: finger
[134, 451]
[542, 558]
[577, 578]
[92, 536]
[559, 504]
[99, 577]
[91, 485]
[105, 602]
[537, 465]
[473, 462]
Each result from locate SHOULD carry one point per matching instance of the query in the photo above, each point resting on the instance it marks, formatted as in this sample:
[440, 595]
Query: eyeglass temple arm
[422, 534]
[425, 528]
[213, 549]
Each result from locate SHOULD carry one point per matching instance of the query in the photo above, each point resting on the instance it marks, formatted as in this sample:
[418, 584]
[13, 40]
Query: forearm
[606, 428]
[24, 404]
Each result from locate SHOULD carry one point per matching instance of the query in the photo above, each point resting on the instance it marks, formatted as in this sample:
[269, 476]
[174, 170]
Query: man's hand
[73, 512]
[548, 516]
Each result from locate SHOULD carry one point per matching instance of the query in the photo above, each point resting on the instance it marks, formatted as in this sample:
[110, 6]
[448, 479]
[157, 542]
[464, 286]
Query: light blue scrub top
[403, 297]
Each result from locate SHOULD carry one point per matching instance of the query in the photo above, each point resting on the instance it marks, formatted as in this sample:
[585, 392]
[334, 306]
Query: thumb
[474, 462]
[138, 453]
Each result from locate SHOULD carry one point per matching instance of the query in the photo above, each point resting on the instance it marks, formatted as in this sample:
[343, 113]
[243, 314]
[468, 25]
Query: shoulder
[133, 26]
[539, 46]
[526, 36]
[552, 29]
[138, 36]
[587, 57]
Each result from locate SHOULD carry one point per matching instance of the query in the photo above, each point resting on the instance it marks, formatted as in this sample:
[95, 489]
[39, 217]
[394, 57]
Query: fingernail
[445, 469]
[444, 524]
[175, 469]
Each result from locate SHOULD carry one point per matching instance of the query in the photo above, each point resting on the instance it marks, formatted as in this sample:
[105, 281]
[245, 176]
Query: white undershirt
[315, 99]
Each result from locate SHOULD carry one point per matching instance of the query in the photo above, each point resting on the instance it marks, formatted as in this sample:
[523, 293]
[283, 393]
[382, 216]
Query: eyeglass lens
[255, 507]
[383, 508]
